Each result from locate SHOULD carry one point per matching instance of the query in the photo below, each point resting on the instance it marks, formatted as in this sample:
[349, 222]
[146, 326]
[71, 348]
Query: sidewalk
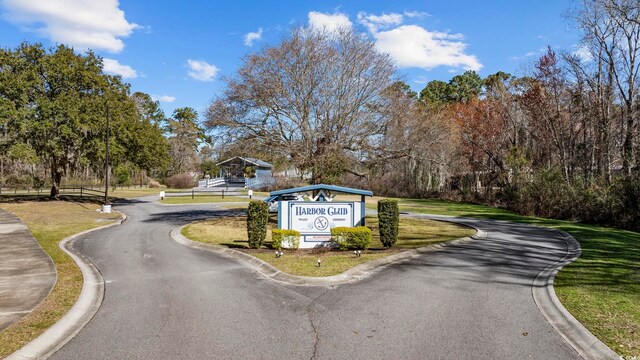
[27, 273]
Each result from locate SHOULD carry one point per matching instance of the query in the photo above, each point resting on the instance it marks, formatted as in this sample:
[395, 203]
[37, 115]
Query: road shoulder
[27, 272]
[80, 314]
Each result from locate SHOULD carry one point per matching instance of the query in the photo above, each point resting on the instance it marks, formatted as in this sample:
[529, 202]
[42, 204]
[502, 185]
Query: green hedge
[351, 238]
[289, 238]
[257, 218]
[389, 219]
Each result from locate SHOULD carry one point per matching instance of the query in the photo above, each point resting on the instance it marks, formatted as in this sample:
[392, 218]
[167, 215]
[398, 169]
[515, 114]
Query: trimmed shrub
[288, 239]
[351, 238]
[257, 218]
[180, 181]
[389, 219]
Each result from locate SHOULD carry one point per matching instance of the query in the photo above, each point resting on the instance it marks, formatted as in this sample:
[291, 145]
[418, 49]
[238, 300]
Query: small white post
[162, 195]
[250, 192]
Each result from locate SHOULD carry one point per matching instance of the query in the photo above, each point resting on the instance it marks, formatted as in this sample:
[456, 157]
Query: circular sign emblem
[321, 223]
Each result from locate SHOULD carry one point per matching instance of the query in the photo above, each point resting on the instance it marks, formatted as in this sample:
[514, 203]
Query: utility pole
[106, 168]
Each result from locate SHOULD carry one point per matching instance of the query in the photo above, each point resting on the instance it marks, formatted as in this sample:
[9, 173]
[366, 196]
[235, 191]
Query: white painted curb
[83, 310]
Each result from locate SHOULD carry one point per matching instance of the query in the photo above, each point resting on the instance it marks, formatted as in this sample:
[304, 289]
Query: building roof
[340, 189]
[256, 162]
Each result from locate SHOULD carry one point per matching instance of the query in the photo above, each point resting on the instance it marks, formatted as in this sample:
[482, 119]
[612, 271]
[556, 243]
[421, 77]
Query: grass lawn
[50, 222]
[201, 199]
[231, 232]
[601, 288]
[304, 262]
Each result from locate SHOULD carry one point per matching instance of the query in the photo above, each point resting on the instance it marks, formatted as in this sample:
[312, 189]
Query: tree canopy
[316, 97]
[54, 105]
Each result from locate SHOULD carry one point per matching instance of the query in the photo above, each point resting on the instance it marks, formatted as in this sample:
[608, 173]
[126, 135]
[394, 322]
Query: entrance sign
[314, 219]
[318, 218]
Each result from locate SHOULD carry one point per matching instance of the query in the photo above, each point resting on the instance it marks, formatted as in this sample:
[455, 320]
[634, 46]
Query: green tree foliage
[209, 167]
[56, 103]
[466, 86]
[185, 136]
[122, 175]
[436, 92]
[257, 219]
[461, 88]
[389, 221]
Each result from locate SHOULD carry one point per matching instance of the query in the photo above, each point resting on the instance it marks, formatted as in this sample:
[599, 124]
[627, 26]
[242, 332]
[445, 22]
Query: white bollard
[162, 195]
[250, 192]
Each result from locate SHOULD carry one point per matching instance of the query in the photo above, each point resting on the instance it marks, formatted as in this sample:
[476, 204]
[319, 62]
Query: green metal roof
[340, 189]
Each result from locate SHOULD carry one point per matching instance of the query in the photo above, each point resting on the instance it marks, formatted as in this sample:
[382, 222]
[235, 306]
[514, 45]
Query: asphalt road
[164, 300]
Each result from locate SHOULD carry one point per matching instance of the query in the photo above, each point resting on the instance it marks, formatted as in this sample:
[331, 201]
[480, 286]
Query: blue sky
[178, 51]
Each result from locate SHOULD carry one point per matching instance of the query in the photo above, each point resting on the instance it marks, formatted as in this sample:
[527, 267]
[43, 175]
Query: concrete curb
[83, 310]
[587, 345]
[574, 333]
[354, 274]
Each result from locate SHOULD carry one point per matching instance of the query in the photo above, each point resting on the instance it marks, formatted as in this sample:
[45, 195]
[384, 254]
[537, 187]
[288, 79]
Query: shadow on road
[183, 217]
[511, 254]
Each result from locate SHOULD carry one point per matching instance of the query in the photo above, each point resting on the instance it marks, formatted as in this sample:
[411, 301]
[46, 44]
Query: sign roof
[340, 189]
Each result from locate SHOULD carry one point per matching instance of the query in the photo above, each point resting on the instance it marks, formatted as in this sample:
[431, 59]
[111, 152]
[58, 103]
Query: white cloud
[421, 80]
[529, 54]
[414, 46]
[374, 22]
[164, 98]
[85, 24]
[329, 22]
[111, 66]
[416, 14]
[201, 70]
[583, 53]
[249, 38]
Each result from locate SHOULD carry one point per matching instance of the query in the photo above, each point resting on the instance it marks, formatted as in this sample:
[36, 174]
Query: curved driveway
[164, 300]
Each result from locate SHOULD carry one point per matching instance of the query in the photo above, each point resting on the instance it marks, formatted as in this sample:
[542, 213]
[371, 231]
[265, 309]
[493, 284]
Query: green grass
[50, 222]
[202, 199]
[416, 233]
[601, 288]
[305, 263]
[231, 232]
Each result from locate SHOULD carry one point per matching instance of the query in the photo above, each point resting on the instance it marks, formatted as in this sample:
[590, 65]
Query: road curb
[354, 274]
[83, 310]
[576, 334]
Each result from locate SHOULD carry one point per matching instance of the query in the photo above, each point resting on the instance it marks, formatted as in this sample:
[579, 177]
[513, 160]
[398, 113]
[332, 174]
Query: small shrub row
[257, 219]
[351, 238]
[288, 239]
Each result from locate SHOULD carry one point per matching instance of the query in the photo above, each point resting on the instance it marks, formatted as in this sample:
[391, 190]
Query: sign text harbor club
[330, 211]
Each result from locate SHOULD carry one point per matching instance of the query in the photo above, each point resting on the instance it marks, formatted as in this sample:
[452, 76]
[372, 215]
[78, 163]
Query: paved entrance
[164, 300]
[27, 273]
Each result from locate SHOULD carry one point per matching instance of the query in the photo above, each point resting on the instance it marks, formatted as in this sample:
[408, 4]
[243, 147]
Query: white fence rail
[211, 182]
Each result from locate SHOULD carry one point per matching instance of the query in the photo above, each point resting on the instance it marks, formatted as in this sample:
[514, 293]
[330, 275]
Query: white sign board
[314, 220]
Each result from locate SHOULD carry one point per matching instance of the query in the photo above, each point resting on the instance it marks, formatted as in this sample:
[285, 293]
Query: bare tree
[612, 33]
[315, 97]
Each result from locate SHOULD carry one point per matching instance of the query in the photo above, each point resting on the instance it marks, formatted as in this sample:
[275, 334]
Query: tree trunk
[627, 147]
[56, 178]
[55, 186]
